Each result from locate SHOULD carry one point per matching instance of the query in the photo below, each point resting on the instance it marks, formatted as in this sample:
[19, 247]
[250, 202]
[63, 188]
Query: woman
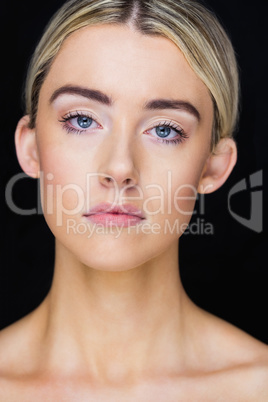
[130, 111]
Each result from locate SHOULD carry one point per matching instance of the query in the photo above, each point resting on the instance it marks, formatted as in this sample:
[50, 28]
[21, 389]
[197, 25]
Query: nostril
[107, 180]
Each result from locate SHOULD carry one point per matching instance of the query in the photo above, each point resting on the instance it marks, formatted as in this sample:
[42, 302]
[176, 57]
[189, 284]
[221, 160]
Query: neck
[115, 323]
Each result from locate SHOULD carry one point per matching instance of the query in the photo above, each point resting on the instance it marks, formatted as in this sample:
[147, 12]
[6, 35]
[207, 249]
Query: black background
[226, 273]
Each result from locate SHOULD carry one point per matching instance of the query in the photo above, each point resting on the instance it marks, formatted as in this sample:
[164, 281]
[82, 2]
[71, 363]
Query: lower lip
[122, 220]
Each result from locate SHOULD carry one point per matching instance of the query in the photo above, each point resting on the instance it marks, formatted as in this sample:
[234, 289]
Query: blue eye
[78, 122]
[163, 131]
[84, 121]
[168, 133]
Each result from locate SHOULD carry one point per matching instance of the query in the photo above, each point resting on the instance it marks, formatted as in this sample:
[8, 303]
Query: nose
[118, 162]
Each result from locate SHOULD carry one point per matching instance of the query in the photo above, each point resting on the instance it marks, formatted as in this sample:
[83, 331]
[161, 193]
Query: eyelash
[72, 115]
[174, 141]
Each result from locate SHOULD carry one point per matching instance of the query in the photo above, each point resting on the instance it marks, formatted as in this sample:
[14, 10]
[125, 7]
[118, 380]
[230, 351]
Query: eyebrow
[96, 95]
[159, 104]
[93, 94]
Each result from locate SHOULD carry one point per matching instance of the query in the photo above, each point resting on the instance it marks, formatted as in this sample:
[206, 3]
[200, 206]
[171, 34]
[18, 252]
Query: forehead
[125, 64]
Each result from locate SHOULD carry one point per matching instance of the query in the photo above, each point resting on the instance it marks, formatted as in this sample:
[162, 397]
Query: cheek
[62, 185]
[171, 200]
[174, 185]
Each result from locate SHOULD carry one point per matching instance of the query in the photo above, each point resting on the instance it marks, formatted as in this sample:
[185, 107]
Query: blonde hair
[193, 28]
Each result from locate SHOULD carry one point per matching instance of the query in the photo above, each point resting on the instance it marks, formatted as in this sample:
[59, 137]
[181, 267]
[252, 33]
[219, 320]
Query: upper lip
[107, 208]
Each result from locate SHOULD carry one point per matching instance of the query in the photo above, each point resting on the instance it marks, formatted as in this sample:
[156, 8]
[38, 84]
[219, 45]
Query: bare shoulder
[246, 378]
[230, 365]
[14, 342]
[17, 358]
[16, 350]
[240, 361]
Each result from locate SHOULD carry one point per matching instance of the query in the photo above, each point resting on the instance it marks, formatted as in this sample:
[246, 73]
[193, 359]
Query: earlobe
[218, 166]
[26, 148]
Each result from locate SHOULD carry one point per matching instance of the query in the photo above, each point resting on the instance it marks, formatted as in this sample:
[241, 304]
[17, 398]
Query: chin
[105, 253]
[113, 262]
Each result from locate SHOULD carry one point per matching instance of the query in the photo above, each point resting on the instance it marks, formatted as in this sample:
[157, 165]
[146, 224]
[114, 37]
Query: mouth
[107, 214]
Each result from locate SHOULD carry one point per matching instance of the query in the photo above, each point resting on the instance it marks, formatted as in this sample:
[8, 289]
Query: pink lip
[119, 215]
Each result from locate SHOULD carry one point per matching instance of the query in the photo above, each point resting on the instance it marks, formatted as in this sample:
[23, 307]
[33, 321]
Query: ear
[218, 166]
[26, 147]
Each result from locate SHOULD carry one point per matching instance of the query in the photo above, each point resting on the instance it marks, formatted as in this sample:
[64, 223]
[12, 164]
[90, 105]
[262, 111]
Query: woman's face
[123, 123]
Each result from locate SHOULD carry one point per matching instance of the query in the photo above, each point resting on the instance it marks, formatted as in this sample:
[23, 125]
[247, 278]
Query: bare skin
[117, 324]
